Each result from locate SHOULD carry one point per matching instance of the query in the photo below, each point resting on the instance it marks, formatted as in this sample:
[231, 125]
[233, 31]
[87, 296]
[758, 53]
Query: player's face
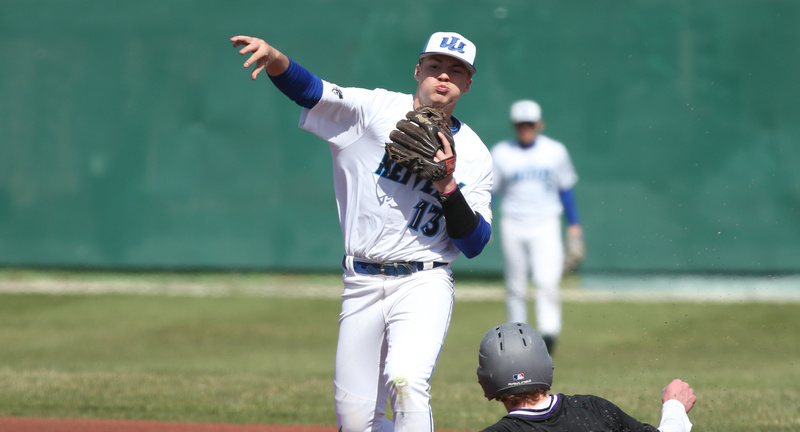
[441, 80]
[526, 132]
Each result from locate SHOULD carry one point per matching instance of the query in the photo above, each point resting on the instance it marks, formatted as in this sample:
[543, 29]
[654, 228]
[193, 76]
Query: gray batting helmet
[513, 358]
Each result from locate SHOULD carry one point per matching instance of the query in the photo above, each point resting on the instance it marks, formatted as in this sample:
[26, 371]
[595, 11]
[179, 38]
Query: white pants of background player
[533, 252]
[391, 331]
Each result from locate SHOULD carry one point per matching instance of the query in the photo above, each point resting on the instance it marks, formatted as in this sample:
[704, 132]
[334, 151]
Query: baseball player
[514, 367]
[400, 232]
[533, 179]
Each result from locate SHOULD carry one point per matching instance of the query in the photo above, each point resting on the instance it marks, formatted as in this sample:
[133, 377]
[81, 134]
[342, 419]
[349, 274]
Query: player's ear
[416, 71]
[469, 84]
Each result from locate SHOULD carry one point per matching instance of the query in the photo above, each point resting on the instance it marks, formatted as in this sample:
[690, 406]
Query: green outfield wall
[132, 137]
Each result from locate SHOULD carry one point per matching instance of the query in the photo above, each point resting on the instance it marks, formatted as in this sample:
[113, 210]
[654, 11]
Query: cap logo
[452, 44]
[519, 376]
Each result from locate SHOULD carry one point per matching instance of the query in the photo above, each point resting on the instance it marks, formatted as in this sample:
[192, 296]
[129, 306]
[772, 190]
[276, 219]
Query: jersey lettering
[426, 215]
[433, 213]
[543, 175]
[391, 170]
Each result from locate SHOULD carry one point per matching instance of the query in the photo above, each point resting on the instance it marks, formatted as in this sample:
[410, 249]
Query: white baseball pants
[391, 331]
[533, 252]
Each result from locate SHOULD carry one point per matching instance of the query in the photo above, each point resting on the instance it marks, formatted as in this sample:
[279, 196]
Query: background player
[400, 234]
[515, 368]
[533, 178]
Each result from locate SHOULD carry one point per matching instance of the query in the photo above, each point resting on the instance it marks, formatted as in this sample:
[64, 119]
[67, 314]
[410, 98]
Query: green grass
[257, 359]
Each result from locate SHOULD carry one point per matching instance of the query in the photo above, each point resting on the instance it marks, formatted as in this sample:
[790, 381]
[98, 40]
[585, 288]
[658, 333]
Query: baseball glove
[574, 253]
[415, 141]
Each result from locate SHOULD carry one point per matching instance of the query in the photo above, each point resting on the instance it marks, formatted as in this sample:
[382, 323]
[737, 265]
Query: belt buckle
[397, 267]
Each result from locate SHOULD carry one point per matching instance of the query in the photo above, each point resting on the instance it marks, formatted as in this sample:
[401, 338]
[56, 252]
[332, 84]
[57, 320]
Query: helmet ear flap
[513, 358]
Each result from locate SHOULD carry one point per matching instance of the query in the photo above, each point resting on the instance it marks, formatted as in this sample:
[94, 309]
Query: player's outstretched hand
[680, 391]
[264, 56]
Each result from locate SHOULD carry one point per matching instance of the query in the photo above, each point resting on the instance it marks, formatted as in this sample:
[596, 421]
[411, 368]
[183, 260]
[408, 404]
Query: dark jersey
[571, 413]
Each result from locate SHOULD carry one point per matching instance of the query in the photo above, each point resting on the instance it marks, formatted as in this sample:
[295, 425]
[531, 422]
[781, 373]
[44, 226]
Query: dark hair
[518, 399]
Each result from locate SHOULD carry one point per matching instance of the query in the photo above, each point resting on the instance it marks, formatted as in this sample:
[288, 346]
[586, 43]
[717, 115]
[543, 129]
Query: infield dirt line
[31, 424]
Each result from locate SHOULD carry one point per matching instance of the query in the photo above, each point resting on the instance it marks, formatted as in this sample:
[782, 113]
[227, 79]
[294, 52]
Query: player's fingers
[677, 389]
[252, 47]
[260, 57]
[448, 149]
[241, 40]
[258, 70]
[688, 399]
[669, 391]
[248, 48]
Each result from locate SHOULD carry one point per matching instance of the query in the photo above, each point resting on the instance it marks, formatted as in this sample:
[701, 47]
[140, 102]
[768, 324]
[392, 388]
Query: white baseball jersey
[391, 329]
[529, 178]
[391, 215]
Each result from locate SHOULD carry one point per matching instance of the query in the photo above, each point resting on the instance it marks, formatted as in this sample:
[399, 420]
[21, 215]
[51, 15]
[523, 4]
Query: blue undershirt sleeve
[473, 243]
[300, 85]
[570, 207]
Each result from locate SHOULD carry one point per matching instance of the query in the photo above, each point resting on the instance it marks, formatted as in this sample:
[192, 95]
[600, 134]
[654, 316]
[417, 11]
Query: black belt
[390, 269]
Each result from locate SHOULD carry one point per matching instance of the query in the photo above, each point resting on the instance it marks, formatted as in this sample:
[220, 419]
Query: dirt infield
[27, 424]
